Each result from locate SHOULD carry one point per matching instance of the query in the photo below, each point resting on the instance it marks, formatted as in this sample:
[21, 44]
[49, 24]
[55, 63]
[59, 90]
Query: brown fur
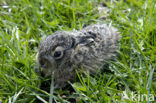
[88, 48]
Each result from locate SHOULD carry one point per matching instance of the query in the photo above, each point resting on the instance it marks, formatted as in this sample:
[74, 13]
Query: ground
[131, 77]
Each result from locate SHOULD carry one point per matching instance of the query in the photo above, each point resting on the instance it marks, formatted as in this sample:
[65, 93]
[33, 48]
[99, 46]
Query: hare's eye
[57, 54]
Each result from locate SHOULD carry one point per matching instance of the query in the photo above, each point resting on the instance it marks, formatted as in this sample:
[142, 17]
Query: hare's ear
[84, 40]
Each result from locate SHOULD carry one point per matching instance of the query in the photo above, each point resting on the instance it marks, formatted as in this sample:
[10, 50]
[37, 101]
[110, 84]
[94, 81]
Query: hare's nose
[42, 63]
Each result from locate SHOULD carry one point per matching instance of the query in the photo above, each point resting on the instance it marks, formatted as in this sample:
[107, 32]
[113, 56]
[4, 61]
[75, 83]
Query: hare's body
[63, 52]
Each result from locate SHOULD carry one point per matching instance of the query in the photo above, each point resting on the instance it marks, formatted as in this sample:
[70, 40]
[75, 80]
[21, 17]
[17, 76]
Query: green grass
[24, 22]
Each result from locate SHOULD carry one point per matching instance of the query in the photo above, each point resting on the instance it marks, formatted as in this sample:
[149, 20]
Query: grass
[24, 22]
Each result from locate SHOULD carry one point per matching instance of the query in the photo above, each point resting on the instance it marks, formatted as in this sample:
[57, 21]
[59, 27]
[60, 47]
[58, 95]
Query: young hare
[64, 51]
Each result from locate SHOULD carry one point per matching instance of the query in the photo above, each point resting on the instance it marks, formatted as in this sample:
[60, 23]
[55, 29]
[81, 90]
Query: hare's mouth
[46, 72]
